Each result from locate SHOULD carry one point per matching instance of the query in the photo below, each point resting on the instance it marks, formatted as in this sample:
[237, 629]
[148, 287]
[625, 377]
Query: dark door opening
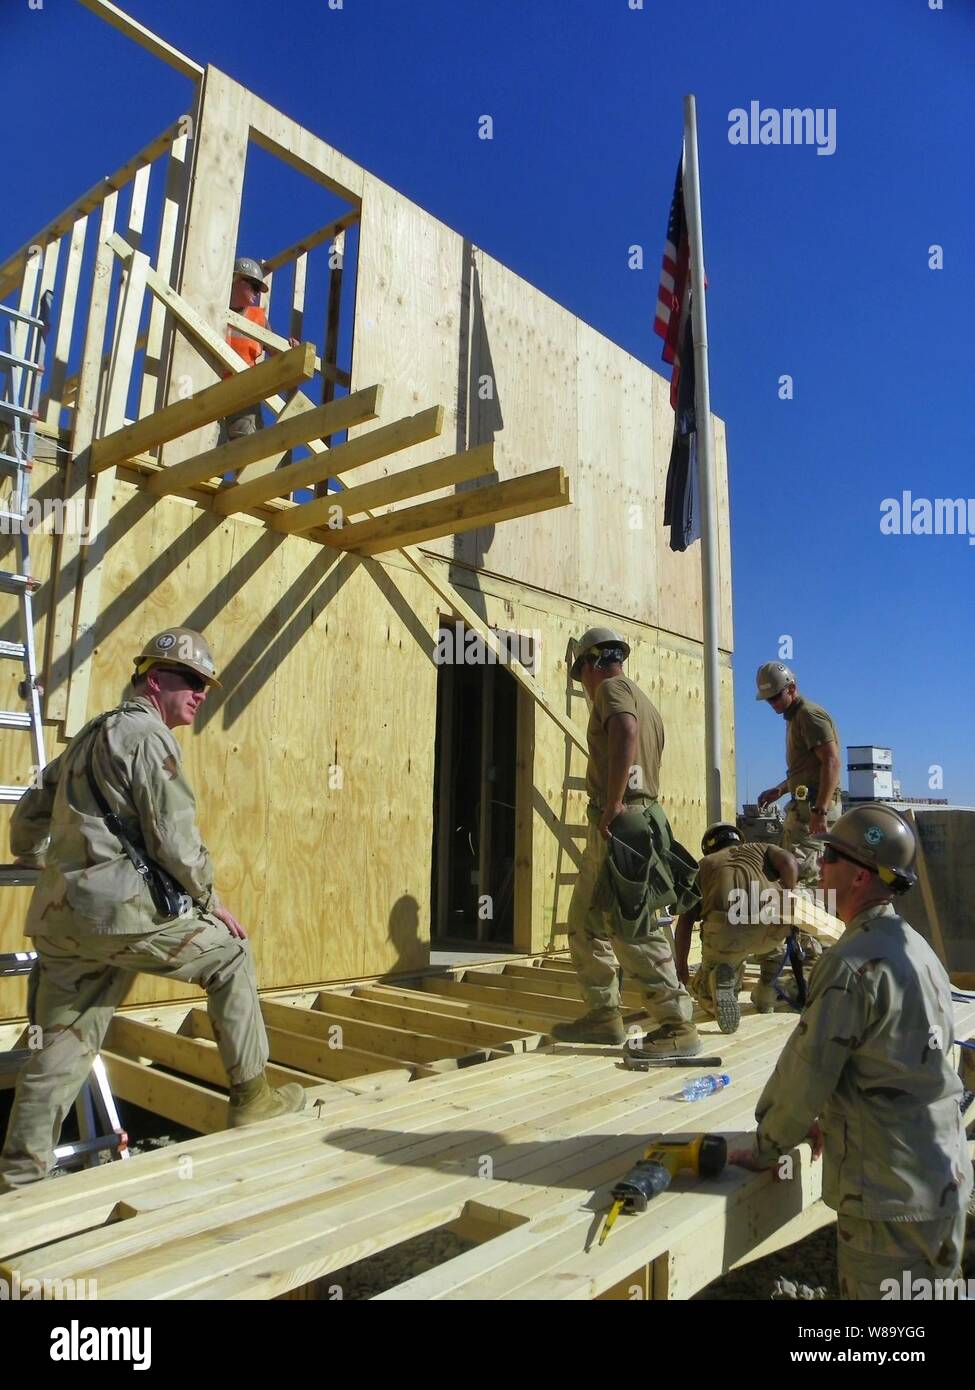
[473, 877]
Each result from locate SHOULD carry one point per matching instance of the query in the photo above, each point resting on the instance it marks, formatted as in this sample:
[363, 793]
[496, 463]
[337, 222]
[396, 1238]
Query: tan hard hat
[592, 641]
[250, 270]
[877, 838]
[178, 646]
[720, 836]
[771, 679]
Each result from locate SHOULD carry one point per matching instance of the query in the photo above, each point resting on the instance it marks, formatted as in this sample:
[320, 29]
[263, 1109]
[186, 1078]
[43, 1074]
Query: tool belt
[802, 805]
[645, 869]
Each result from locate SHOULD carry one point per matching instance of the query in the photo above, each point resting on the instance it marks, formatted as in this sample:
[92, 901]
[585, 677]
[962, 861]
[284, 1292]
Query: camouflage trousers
[806, 848]
[875, 1257]
[727, 943]
[81, 981]
[596, 946]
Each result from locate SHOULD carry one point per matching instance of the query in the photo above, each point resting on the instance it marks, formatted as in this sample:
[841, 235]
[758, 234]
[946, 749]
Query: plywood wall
[438, 321]
[314, 765]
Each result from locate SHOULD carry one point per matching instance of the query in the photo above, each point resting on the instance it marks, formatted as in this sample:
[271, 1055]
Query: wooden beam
[144, 37]
[250, 448]
[927, 892]
[12, 268]
[308, 243]
[462, 511]
[212, 403]
[196, 1107]
[413, 482]
[388, 439]
[274, 340]
[196, 1057]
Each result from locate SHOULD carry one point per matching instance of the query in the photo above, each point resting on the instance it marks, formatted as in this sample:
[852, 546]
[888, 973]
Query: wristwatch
[820, 810]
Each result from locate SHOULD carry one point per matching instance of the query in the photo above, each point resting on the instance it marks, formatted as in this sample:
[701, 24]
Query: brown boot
[255, 1100]
[597, 1026]
[724, 995]
[675, 1039]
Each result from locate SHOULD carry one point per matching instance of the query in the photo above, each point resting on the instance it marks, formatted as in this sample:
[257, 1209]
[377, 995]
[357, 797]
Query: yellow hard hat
[178, 646]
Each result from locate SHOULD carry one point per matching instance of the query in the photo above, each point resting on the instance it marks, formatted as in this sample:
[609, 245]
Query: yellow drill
[705, 1155]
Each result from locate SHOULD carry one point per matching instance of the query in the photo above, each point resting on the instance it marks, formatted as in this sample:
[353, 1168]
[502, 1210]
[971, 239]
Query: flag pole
[705, 464]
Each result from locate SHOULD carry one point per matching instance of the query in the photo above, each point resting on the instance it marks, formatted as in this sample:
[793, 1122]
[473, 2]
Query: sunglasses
[830, 855]
[189, 678]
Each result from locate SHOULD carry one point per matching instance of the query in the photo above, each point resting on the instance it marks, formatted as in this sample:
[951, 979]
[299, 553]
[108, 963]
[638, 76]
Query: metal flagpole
[705, 465]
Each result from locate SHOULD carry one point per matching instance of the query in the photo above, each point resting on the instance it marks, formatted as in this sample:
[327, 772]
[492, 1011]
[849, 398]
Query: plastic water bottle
[703, 1086]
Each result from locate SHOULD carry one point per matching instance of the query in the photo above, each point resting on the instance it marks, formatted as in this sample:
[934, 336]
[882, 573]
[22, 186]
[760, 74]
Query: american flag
[673, 284]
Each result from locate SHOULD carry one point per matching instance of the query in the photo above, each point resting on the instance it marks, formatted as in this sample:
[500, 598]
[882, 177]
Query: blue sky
[818, 265]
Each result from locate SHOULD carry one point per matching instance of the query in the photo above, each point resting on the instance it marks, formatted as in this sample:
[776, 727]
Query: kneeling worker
[114, 800]
[626, 738]
[736, 879]
[867, 1075]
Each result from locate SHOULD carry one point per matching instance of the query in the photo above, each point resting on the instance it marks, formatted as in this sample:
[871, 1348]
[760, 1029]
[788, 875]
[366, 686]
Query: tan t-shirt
[619, 695]
[735, 867]
[807, 726]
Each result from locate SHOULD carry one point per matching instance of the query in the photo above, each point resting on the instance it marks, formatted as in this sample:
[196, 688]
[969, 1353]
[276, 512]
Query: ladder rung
[14, 719]
[10, 516]
[23, 411]
[9, 463]
[10, 794]
[14, 651]
[17, 583]
[24, 362]
[21, 317]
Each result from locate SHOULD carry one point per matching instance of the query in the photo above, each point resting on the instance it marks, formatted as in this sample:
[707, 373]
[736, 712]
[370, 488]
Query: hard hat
[593, 641]
[876, 837]
[771, 679]
[251, 270]
[720, 836]
[178, 646]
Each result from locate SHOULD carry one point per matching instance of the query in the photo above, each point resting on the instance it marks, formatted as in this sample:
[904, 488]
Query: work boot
[597, 1026]
[724, 993]
[699, 988]
[255, 1100]
[674, 1039]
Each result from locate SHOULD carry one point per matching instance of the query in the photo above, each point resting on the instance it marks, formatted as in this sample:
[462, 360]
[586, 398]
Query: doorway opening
[475, 871]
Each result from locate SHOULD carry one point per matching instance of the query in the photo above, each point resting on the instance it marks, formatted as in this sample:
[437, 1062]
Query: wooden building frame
[573, 442]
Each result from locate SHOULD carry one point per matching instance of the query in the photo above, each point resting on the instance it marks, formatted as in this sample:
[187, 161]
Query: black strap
[108, 815]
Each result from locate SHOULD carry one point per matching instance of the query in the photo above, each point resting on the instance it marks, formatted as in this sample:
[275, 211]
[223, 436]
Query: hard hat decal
[873, 835]
[166, 641]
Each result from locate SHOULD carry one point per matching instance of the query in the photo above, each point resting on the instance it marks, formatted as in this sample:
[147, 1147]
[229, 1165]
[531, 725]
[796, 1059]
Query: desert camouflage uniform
[808, 726]
[871, 1058]
[95, 926]
[595, 942]
[735, 869]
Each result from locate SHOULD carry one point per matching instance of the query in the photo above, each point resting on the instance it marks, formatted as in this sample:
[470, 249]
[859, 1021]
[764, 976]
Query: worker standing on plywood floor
[870, 1061]
[114, 799]
[737, 884]
[628, 865]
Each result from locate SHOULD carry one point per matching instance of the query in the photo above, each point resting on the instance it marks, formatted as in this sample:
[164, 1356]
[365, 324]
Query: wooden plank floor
[521, 1150]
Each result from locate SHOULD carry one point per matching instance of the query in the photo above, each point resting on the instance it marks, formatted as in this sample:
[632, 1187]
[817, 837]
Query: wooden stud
[378, 443]
[413, 482]
[66, 317]
[85, 415]
[171, 229]
[298, 428]
[212, 403]
[196, 1057]
[12, 268]
[144, 37]
[462, 511]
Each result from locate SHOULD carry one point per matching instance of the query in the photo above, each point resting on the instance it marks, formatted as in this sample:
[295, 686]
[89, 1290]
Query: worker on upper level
[245, 299]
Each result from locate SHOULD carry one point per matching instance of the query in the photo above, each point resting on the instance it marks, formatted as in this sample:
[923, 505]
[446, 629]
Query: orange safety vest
[248, 348]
